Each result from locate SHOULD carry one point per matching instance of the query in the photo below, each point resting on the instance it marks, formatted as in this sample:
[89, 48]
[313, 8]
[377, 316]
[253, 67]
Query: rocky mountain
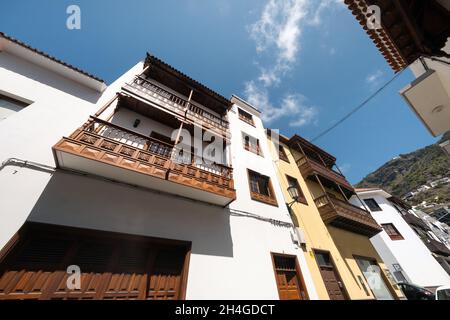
[409, 171]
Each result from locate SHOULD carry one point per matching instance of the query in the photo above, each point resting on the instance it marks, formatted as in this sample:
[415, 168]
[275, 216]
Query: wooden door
[333, 283]
[288, 277]
[112, 266]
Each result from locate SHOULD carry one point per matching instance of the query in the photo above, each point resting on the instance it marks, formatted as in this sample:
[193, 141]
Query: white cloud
[345, 168]
[320, 9]
[279, 28]
[292, 105]
[374, 79]
[278, 33]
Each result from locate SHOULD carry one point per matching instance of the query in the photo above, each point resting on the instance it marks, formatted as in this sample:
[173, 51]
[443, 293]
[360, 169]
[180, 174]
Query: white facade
[429, 95]
[231, 251]
[417, 264]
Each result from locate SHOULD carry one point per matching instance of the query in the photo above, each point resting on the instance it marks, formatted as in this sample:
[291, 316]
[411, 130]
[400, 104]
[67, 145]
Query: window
[282, 153]
[372, 204]
[261, 188]
[9, 106]
[292, 182]
[392, 231]
[374, 277]
[251, 144]
[246, 117]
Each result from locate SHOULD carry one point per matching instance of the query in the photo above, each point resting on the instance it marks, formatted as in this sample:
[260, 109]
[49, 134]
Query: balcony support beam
[106, 106]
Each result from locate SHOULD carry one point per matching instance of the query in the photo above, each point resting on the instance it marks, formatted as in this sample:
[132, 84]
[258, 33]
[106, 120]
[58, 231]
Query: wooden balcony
[104, 149]
[178, 105]
[437, 247]
[344, 215]
[309, 167]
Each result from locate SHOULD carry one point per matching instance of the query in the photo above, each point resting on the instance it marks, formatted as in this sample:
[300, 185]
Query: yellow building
[336, 245]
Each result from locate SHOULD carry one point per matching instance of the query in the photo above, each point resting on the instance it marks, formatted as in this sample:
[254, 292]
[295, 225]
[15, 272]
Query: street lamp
[293, 192]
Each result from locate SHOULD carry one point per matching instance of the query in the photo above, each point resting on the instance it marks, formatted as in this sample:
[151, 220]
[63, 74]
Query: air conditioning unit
[299, 237]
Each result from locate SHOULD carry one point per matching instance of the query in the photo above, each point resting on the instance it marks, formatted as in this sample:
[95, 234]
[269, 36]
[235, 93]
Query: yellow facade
[342, 245]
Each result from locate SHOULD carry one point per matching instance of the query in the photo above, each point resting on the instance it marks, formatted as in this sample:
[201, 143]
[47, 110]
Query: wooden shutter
[112, 266]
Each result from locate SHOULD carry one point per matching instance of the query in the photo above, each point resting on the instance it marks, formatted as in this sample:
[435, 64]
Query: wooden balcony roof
[295, 142]
[180, 82]
[410, 28]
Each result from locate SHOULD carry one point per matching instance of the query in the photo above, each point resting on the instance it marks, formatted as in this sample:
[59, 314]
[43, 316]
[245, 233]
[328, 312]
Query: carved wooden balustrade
[191, 111]
[111, 144]
[346, 216]
[310, 167]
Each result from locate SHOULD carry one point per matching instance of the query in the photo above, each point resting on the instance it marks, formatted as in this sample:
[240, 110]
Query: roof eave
[15, 47]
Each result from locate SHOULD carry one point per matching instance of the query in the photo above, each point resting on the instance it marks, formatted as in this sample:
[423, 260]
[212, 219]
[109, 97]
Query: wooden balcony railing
[346, 216]
[179, 105]
[309, 167]
[106, 142]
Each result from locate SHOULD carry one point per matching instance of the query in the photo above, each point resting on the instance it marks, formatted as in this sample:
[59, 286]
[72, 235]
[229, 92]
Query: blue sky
[306, 63]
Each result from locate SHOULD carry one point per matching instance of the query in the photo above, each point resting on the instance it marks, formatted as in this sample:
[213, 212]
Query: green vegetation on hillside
[409, 171]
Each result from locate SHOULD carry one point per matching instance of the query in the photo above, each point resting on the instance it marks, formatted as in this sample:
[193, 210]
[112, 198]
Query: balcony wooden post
[339, 170]
[323, 189]
[301, 149]
[143, 71]
[321, 159]
[188, 103]
[342, 191]
[362, 202]
[106, 106]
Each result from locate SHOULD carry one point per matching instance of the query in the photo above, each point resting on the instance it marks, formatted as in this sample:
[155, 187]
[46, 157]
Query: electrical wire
[359, 107]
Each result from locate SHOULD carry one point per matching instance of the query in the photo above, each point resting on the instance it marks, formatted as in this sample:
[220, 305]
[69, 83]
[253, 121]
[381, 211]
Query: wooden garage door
[289, 280]
[333, 283]
[112, 266]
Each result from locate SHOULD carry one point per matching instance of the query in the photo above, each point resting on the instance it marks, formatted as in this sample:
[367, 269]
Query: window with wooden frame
[292, 182]
[251, 144]
[392, 231]
[289, 278]
[282, 153]
[372, 204]
[246, 117]
[261, 188]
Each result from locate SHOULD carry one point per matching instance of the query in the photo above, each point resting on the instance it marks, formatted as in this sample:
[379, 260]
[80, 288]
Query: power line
[360, 106]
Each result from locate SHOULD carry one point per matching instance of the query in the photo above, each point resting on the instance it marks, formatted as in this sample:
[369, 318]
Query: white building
[399, 246]
[429, 95]
[113, 197]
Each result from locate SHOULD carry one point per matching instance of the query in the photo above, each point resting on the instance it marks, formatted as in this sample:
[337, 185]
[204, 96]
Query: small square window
[251, 144]
[392, 231]
[261, 188]
[372, 204]
[246, 117]
[282, 153]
